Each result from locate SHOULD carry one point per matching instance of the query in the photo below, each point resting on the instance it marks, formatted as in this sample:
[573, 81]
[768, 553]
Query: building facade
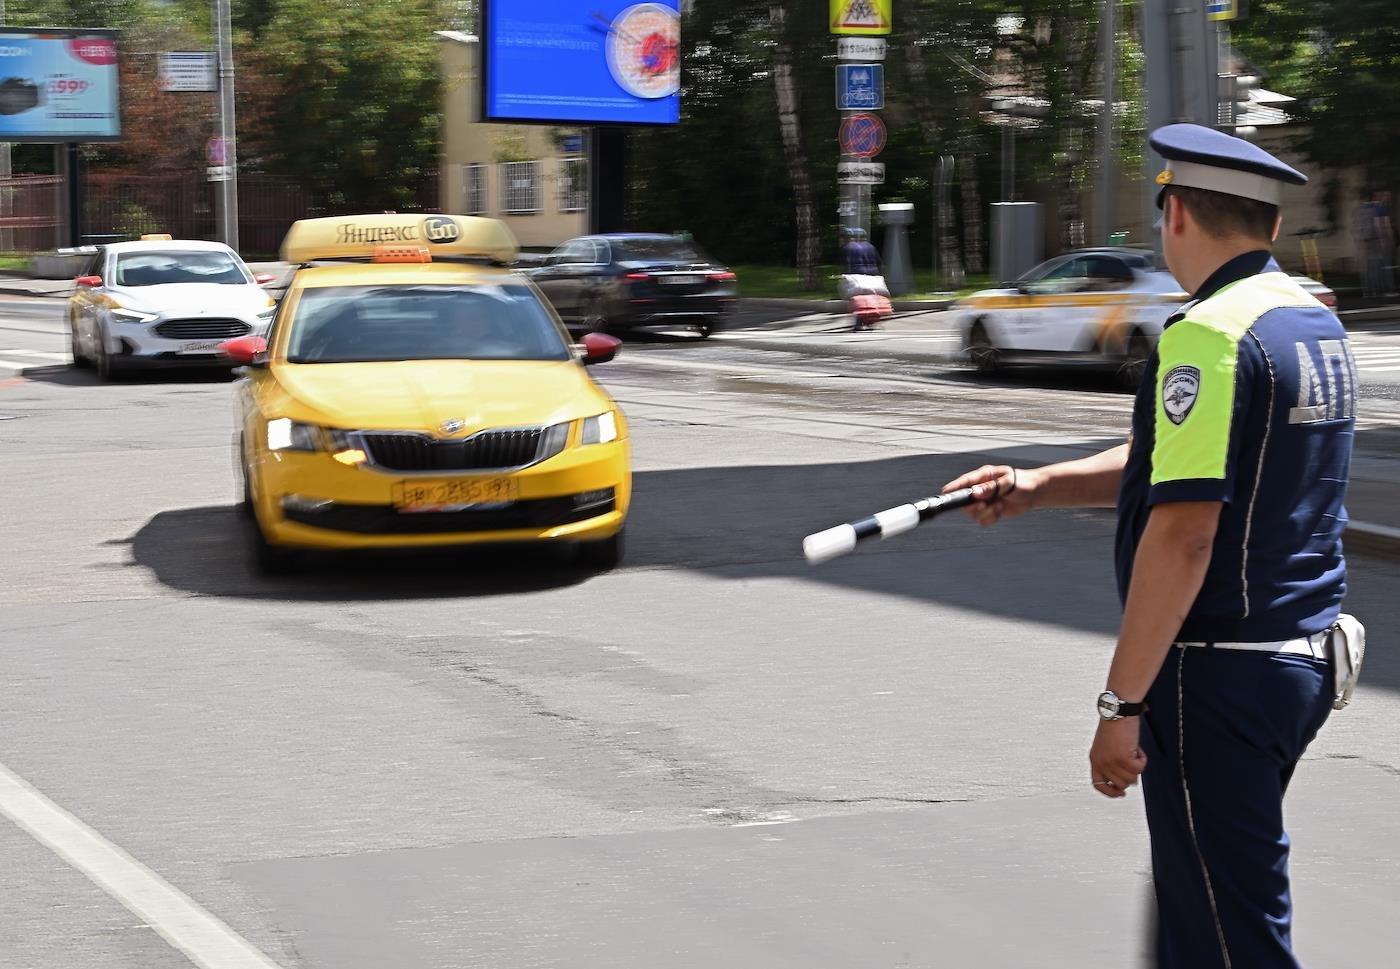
[532, 177]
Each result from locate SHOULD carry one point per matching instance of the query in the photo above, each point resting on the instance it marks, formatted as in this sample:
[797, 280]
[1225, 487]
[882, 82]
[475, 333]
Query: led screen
[582, 61]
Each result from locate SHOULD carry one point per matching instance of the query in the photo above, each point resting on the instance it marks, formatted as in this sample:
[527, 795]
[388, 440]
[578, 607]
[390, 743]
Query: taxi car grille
[486, 450]
[386, 520]
[203, 329]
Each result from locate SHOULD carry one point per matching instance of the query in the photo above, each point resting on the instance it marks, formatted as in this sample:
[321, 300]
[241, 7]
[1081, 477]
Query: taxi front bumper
[308, 500]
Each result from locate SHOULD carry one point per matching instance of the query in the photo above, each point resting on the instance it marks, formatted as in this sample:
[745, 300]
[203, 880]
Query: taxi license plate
[202, 346]
[415, 496]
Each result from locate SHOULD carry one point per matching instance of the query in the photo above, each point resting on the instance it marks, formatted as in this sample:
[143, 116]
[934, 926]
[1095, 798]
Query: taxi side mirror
[599, 348]
[89, 281]
[246, 351]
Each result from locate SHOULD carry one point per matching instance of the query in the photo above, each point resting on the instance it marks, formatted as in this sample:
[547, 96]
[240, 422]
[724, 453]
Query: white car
[1100, 306]
[163, 302]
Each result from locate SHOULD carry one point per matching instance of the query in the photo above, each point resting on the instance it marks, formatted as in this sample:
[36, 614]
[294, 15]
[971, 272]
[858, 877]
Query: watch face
[1108, 705]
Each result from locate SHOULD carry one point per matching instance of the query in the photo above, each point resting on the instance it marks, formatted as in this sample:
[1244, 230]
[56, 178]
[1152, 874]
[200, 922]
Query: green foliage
[1342, 60]
[352, 98]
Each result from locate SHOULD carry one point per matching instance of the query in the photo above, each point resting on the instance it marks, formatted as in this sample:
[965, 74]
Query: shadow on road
[67, 376]
[746, 523]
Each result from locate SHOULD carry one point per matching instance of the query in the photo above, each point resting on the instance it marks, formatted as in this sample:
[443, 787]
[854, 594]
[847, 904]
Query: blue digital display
[582, 61]
[58, 85]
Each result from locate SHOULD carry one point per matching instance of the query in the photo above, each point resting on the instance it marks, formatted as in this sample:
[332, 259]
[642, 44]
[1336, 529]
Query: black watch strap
[1126, 709]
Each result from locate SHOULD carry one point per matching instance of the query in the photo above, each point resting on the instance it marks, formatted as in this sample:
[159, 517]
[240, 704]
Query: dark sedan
[613, 283]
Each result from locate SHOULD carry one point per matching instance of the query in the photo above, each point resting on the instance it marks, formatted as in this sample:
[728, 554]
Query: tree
[1343, 62]
[352, 103]
[790, 125]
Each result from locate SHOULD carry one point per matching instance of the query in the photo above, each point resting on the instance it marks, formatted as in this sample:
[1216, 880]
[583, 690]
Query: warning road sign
[861, 16]
[862, 136]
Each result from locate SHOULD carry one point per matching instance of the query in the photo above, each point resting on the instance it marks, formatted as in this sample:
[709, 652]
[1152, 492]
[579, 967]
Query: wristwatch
[1112, 708]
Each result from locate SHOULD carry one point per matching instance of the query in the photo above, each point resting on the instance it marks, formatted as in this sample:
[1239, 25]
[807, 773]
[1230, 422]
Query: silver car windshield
[163, 268]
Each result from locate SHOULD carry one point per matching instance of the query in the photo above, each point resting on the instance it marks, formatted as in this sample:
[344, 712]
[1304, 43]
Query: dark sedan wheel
[594, 321]
[708, 327]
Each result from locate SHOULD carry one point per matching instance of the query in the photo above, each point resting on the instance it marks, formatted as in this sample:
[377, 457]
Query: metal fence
[29, 213]
[117, 206]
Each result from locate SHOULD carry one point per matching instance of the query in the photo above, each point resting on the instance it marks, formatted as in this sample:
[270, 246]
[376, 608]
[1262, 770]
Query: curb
[1372, 538]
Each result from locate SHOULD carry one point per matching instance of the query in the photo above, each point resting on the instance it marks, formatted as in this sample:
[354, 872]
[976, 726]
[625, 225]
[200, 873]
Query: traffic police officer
[1229, 554]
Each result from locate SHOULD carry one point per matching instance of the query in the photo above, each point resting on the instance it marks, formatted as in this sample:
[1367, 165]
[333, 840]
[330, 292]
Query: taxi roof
[403, 274]
[358, 236]
[166, 245]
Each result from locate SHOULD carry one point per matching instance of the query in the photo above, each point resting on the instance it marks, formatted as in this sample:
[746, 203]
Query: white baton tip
[825, 546]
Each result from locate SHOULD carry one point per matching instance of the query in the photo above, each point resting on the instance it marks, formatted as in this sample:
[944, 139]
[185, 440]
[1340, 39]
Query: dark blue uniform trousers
[1223, 731]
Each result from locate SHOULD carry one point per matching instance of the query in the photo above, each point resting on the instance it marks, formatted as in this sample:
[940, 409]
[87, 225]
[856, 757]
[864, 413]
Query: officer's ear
[1278, 224]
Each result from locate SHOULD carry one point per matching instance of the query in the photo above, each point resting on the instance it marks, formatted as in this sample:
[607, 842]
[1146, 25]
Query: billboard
[582, 61]
[58, 85]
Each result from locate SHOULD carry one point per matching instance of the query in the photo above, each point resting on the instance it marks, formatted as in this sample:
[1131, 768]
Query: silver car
[162, 302]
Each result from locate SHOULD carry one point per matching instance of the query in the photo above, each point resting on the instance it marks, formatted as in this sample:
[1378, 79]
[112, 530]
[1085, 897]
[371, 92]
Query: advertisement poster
[58, 86]
[582, 61]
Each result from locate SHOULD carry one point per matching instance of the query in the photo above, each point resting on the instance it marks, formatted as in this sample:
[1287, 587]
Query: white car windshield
[358, 324]
[162, 268]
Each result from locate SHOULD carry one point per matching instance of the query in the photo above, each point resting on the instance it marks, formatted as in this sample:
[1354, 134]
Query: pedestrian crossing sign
[861, 16]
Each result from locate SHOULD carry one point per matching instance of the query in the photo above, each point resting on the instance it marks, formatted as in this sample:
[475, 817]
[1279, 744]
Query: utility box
[1016, 239]
[899, 270]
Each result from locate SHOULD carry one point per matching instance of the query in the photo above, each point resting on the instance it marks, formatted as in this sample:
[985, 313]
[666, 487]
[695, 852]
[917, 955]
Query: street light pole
[228, 185]
[1108, 168]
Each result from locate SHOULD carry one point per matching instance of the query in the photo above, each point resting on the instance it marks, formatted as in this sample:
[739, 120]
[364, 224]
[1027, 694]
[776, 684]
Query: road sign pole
[227, 192]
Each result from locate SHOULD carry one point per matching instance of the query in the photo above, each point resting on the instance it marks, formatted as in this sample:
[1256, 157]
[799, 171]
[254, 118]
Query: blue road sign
[860, 87]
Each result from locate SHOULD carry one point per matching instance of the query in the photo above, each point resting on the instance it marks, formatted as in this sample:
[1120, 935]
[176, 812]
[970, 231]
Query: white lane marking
[38, 354]
[206, 941]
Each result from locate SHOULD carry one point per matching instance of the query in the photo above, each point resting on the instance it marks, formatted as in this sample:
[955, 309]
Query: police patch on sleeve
[1180, 388]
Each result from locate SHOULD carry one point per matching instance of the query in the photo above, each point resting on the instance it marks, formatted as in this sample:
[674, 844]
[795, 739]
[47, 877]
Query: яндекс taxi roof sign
[357, 236]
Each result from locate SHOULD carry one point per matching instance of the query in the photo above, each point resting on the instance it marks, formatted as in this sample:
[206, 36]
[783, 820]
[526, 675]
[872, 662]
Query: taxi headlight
[285, 434]
[124, 315]
[599, 430]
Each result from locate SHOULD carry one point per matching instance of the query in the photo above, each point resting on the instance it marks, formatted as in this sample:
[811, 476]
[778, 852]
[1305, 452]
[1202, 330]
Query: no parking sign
[862, 136]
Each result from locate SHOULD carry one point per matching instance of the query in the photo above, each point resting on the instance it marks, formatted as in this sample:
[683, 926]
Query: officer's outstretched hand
[1002, 492]
[1115, 759]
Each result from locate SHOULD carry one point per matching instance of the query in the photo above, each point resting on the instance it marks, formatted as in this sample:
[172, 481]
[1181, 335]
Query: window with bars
[474, 177]
[520, 187]
[573, 184]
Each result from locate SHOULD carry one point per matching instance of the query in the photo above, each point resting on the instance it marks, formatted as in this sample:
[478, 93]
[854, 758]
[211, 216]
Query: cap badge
[1164, 177]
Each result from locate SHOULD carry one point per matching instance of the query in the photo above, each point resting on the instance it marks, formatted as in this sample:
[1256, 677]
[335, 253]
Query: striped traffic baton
[834, 542]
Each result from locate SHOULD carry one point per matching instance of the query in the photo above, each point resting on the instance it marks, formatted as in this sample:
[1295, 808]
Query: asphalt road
[713, 755]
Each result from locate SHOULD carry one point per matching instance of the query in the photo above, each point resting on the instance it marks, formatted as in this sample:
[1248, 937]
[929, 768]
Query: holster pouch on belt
[1346, 644]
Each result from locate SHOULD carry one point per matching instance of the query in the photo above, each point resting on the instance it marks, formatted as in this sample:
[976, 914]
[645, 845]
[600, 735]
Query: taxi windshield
[160, 268]
[362, 324]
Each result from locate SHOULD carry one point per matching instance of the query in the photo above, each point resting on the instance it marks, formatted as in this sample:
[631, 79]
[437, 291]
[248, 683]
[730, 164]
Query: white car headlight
[599, 430]
[285, 434]
[125, 315]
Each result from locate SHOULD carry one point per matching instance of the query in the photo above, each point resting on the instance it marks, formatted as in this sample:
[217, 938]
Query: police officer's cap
[1201, 157]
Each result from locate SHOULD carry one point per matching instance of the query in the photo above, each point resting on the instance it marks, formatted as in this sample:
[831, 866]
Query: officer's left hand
[1115, 759]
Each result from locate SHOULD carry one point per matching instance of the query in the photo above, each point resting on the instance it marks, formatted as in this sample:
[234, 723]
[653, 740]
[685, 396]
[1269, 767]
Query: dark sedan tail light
[724, 277]
[636, 277]
[1328, 299]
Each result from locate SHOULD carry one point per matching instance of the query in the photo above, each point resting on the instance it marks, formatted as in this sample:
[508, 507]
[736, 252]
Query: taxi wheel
[108, 369]
[985, 356]
[268, 559]
[80, 359]
[1134, 364]
[601, 556]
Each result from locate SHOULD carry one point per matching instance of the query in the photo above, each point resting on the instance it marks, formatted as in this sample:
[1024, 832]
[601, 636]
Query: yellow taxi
[414, 391]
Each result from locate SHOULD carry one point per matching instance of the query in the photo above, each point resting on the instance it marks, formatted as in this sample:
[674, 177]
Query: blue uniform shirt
[1249, 400]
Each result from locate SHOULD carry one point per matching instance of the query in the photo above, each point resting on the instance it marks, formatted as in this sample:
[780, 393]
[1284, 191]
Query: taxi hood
[422, 394]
